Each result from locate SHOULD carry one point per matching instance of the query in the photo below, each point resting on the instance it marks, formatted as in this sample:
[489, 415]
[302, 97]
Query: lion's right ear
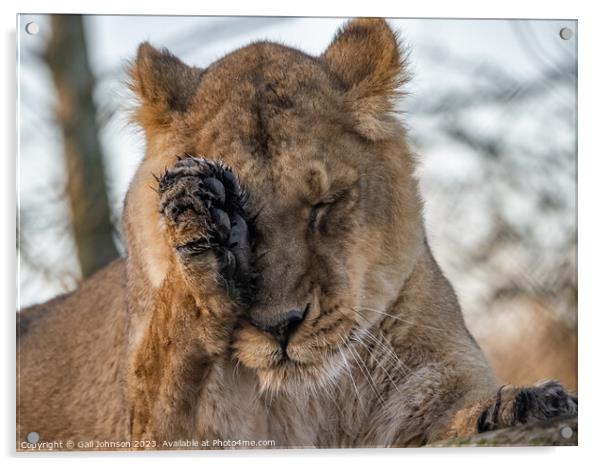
[368, 61]
[164, 86]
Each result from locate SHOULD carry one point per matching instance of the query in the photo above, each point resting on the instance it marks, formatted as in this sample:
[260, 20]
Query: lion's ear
[365, 56]
[164, 86]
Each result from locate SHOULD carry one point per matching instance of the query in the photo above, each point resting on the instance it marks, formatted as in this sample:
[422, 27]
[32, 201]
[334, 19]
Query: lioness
[278, 283]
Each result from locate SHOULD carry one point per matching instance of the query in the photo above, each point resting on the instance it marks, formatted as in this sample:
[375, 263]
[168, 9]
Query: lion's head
[314, 142]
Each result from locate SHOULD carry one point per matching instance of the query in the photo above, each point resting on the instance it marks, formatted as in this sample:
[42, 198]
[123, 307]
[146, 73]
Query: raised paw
[205, 211]
[516, 405]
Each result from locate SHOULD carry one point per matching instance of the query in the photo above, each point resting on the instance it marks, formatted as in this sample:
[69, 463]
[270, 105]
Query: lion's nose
[282, 326]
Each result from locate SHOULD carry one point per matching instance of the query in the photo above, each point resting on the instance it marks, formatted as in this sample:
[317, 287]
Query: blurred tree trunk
[67, 57]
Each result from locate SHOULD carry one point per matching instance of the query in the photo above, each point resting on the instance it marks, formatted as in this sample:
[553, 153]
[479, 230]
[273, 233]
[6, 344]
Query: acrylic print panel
[255, 232]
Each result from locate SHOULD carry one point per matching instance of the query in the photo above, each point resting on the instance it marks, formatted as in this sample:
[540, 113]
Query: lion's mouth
[307, 358]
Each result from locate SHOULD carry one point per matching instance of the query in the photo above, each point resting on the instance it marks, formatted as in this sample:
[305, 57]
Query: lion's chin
[296, 378]
[298, 370]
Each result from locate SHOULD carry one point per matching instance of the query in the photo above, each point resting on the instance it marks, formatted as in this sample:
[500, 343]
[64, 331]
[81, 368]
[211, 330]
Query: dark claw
[222, 222]
[239, 233]
[240, 244]
[228, 264]
[217, 189]
[231, 182]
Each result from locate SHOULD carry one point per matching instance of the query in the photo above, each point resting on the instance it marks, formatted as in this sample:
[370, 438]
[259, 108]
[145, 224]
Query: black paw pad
[204, 199]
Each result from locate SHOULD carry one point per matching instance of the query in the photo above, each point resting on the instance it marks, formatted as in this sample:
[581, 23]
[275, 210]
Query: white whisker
[349, 370]
[380, 365]
[365, 371]
[386, 347]
[409, 322]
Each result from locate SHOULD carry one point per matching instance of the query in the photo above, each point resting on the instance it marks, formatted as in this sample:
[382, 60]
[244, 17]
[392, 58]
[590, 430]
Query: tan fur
[383, 357]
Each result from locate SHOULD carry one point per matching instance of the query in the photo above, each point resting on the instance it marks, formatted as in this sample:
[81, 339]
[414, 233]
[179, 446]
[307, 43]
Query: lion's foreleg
[192, 313]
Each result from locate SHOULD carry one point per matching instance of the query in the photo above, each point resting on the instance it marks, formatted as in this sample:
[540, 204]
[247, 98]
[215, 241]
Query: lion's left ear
[164, 87]
[365, 57]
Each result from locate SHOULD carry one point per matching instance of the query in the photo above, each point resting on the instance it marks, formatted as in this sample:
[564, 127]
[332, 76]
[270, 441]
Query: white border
[589, 222]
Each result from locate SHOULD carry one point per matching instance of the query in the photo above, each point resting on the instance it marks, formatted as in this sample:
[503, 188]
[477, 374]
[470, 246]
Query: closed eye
[315, 212]
[319, 210]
